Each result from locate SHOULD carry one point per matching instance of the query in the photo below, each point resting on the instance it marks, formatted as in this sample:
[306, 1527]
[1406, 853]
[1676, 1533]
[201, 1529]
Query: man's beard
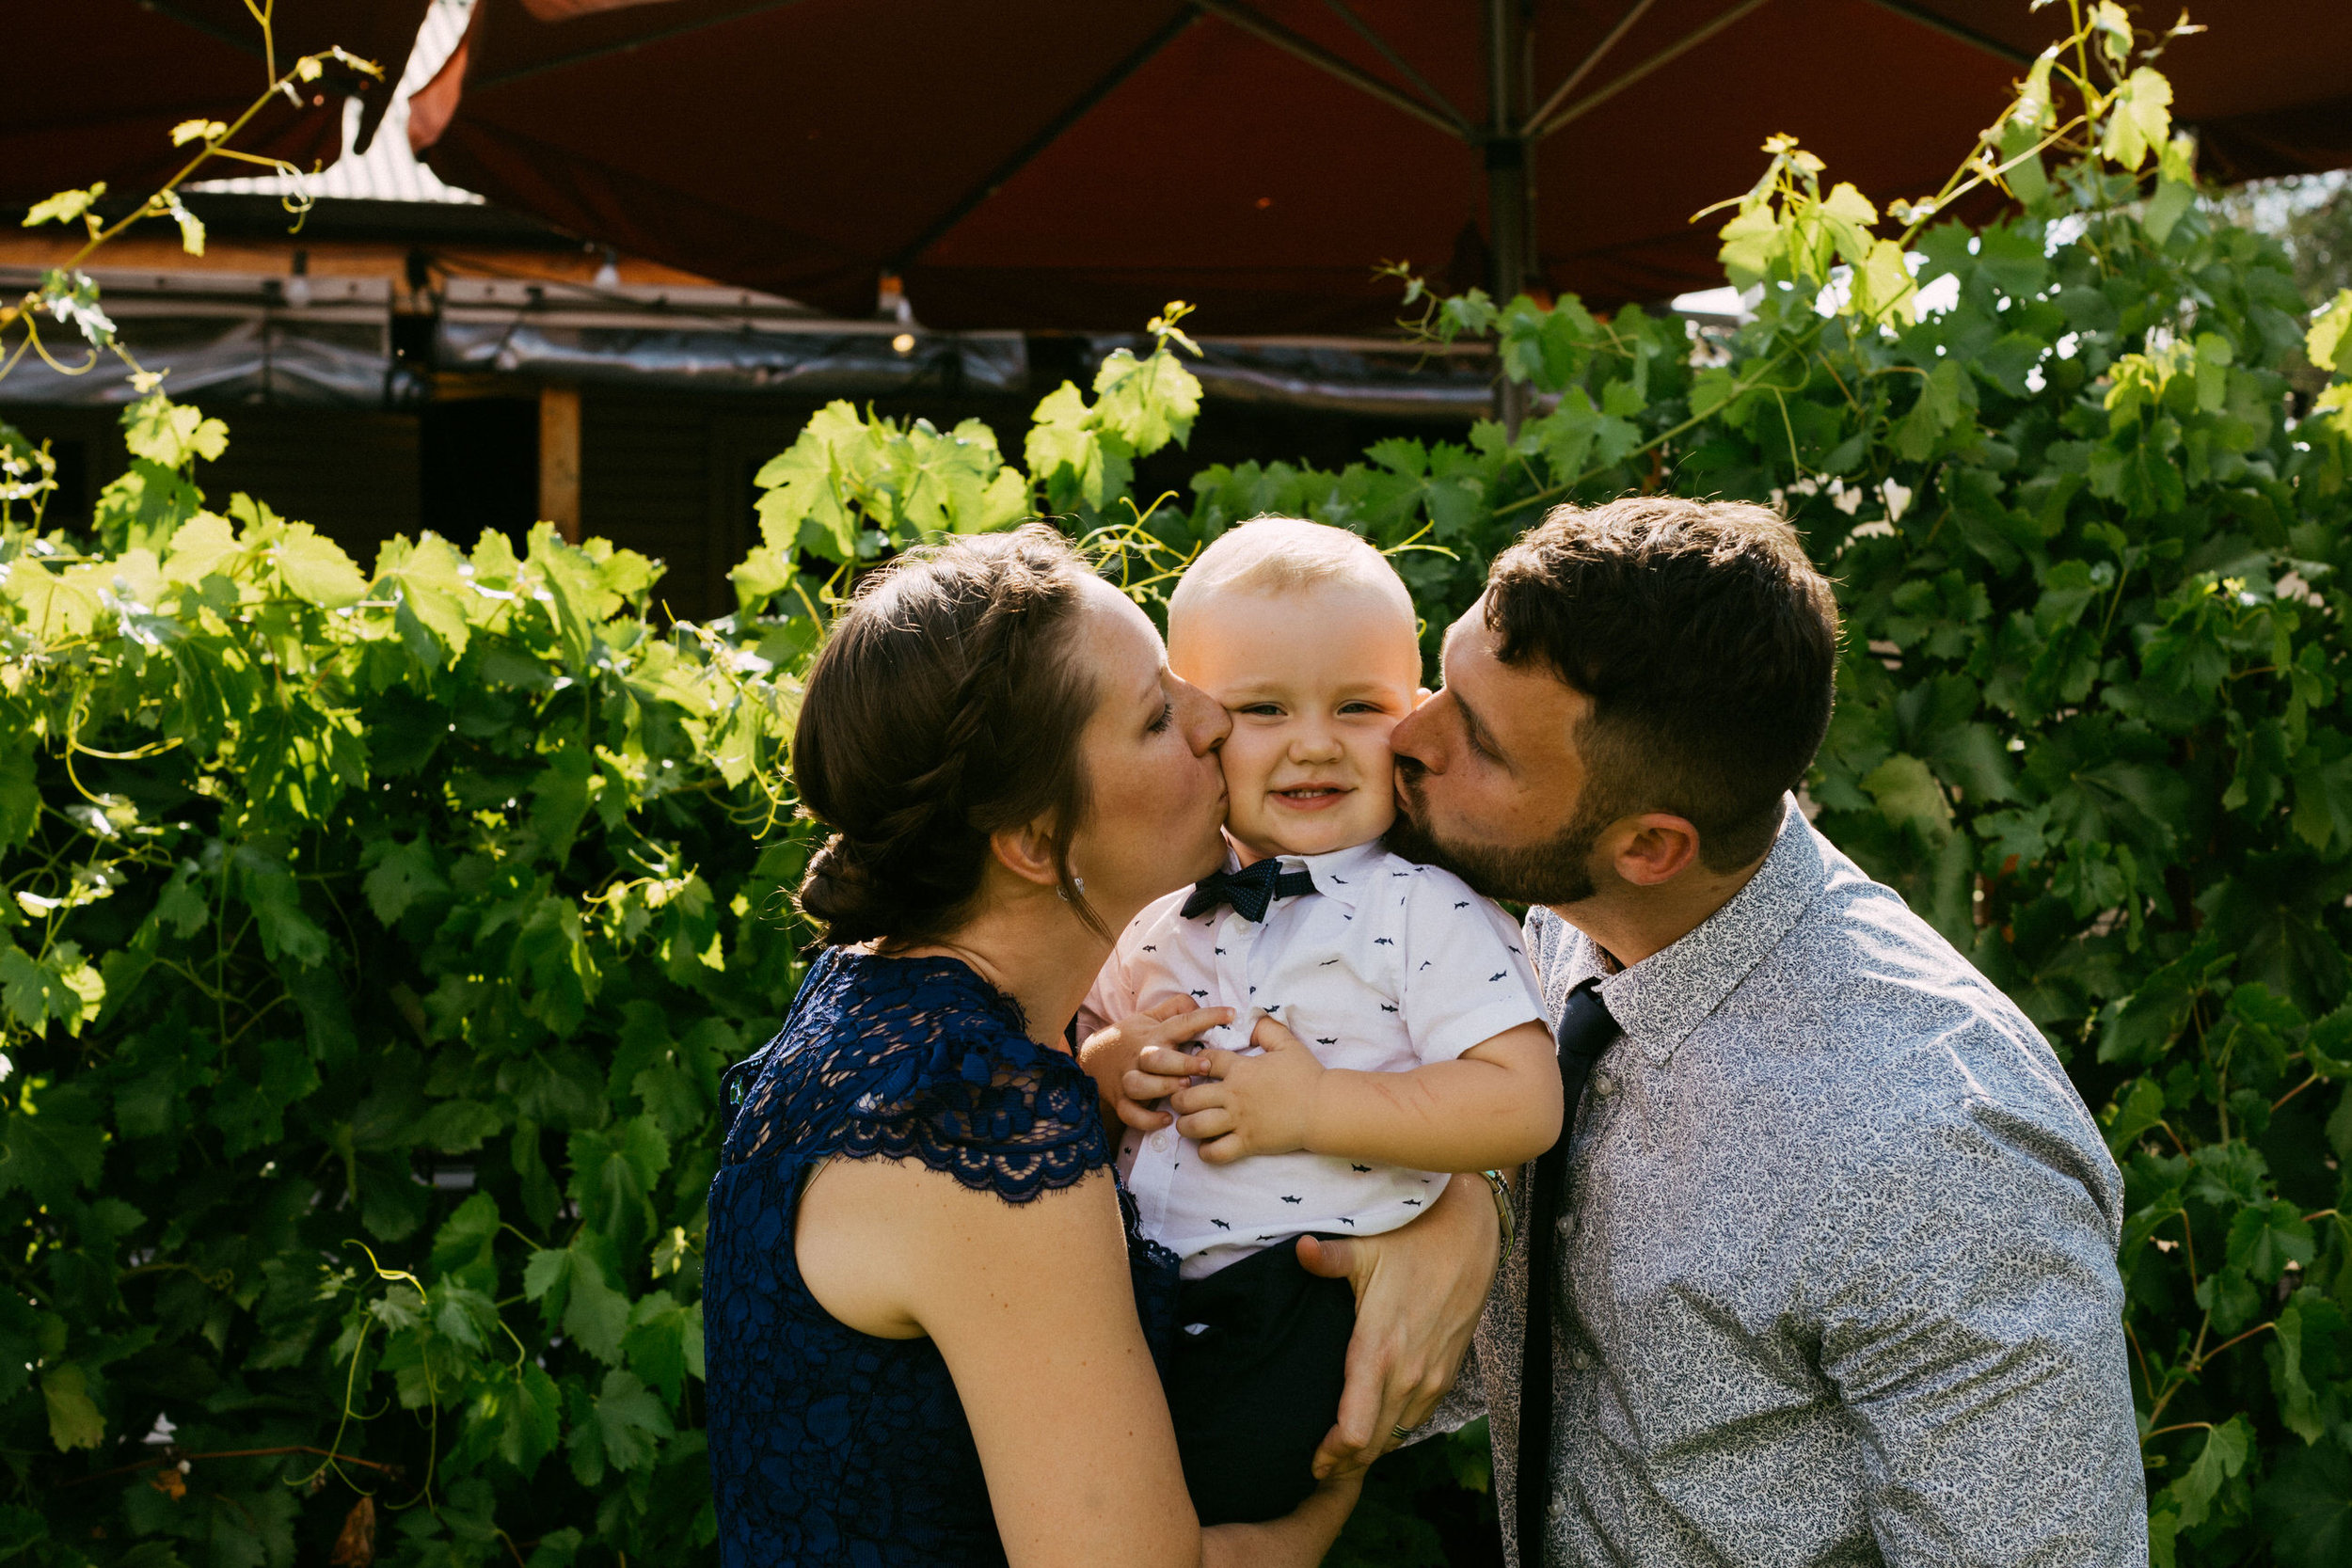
[1557, 872]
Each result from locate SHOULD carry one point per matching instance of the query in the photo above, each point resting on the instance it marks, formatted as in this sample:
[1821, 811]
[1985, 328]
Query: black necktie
[1586, 1031]
[1251, 891]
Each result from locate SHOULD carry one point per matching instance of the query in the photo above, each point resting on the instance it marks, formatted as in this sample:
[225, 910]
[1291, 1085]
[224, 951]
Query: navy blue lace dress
[828, 1446]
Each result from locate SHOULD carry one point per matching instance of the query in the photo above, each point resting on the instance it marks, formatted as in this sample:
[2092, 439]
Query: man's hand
[1246, 1105]
[1419, 1293]
[1111, 1057]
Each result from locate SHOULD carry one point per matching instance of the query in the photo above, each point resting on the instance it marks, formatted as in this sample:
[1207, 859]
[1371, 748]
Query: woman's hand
[1245, 1106]
[1113, 1057]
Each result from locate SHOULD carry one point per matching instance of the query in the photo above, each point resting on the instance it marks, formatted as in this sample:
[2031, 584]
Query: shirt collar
[1345, 875]
[1660, 1001]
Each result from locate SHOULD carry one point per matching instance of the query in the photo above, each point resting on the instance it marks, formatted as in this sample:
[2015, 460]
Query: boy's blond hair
[1282, 555]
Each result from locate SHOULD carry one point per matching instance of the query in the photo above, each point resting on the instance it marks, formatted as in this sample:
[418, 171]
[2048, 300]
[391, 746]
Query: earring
[1078, 882]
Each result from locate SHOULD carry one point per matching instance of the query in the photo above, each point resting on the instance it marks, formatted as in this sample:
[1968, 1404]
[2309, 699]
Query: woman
[925, 1341]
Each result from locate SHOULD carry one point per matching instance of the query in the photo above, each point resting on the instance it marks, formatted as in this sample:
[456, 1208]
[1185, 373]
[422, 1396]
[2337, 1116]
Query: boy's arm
[1496, 1104]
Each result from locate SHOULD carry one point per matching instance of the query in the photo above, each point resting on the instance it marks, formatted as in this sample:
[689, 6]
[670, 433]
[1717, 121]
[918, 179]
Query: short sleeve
[1467, 977]
[1015, 1122]
[919, 1059]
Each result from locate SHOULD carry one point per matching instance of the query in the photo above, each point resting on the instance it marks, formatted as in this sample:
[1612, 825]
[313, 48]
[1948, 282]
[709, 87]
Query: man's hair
[1282, 555]
[1707, 641]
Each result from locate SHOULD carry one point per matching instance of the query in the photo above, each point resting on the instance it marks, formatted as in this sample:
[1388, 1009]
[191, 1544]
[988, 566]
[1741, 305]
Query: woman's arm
[1496, 1104]
[1033, 1308]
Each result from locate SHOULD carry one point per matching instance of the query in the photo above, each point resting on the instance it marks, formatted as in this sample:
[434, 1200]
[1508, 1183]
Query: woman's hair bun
[841, 895]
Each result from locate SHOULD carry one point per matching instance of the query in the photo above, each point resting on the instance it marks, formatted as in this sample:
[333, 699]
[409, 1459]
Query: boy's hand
[1111, 1055]
[1248, 1105]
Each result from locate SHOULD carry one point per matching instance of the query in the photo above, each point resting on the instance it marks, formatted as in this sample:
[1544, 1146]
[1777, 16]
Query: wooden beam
[559, 459]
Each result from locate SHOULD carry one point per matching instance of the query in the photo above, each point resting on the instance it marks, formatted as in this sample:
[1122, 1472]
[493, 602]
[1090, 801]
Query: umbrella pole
[1509, 203]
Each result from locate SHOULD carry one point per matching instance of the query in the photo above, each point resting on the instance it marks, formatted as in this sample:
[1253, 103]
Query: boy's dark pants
[1255, 1391]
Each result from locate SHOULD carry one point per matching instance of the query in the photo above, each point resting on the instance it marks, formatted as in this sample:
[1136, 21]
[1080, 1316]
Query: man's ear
[1027, 852]
[1653, 847]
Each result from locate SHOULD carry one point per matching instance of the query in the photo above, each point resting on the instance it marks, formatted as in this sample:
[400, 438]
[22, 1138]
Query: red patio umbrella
[1074, 162]
[93, 88]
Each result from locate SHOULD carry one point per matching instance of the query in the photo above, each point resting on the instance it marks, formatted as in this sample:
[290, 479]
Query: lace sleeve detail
[1009, 1127]
[916, 1059]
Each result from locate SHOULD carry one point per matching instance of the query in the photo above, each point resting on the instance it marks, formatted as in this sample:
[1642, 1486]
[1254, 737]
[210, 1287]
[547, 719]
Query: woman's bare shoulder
[890, 1245]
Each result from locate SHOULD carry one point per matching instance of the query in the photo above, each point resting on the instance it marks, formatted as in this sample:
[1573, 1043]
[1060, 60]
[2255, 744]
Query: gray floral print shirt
[1837, 1279]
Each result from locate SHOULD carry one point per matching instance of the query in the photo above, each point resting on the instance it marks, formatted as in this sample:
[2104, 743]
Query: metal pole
[1509, 205]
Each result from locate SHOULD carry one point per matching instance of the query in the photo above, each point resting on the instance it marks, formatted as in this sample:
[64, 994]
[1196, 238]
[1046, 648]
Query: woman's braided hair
[946, 705]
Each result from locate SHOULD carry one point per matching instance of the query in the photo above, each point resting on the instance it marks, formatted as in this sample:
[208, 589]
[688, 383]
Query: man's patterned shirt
[1838, 1278]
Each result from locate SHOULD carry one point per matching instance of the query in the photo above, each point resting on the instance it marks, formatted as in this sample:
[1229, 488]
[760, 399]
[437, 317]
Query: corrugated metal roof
[387, 171]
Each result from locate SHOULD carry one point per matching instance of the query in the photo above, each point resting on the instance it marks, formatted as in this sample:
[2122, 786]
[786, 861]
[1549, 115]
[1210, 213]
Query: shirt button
[1605, 1085]
[1579, 1360]
[1558, 1509]
[1161, 1139]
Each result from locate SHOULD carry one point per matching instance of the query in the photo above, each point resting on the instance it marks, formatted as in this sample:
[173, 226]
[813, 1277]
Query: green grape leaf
[73, 1418]
[2307, 1506]
[2222, 1455]
[1146, 402]
[556, 1549]
[629, 1421]
[463, 1245]
[2133, 1113]
[1908, 796]
[65, 206]
[2329, 326]
[315, 569]
[2166, 209]
[171, 435]
[524, 1413]
[665, 1343]
[2310, 1333]
[1945, 398]
[55, 606]
[2265, 1238]
[403, 874]
[2140, 117]
[60, 986]
[573, 1286]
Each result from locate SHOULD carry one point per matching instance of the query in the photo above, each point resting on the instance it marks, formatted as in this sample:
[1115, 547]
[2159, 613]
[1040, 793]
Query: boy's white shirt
[1387, 966]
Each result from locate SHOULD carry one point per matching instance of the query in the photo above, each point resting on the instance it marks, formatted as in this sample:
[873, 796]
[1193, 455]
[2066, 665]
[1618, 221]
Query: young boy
[1372, 1023]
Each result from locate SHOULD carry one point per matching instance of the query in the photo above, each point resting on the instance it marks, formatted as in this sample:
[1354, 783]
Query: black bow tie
[1251, 891]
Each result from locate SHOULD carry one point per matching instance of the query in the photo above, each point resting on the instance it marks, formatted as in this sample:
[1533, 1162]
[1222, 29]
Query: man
[1834, 1281]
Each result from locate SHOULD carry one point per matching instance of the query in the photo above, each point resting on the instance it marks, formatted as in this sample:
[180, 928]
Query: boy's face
[1314, 679]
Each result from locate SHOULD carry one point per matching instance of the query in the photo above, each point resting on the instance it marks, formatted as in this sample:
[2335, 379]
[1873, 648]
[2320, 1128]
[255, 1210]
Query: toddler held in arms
[1369, 1025]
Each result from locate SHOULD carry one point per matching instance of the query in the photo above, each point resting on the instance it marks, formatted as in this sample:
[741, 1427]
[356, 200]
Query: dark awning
[94, 86]
[1074, 163]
